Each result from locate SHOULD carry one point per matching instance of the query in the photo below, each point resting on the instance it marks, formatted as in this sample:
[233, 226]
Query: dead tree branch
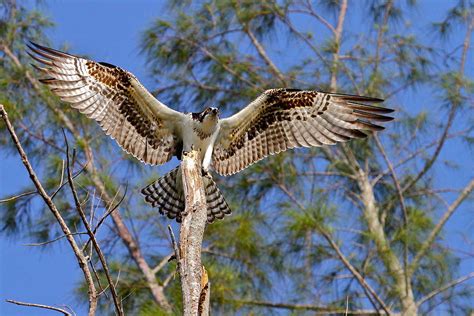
[191, 236]
[13, 198]
[57, 309]
[81, 259]
[85, 222]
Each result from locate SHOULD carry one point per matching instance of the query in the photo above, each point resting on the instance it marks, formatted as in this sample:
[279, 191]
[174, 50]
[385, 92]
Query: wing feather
[126, 111]
[281, 119]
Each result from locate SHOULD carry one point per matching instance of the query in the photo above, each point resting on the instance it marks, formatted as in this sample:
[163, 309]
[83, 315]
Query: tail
[167, 194]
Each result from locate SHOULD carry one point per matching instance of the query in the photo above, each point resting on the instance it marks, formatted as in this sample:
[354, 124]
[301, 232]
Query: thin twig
[434, 233]
[163, 261]
[101, 288]
[67, 182]
[57, 309]
[175, 245]
[85, 222]
[412, 156]
[53, 240]
[263, 55]
[444, 288]
[15, 197]
[103, 218]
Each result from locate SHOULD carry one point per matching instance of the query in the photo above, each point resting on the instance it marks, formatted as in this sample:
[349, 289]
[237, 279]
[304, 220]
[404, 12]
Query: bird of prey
[279, 119]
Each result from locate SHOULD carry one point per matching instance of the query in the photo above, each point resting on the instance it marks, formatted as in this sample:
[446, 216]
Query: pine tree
[357, 226]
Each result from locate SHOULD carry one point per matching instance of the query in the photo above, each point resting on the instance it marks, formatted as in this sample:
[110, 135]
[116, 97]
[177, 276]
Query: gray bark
[194, 283]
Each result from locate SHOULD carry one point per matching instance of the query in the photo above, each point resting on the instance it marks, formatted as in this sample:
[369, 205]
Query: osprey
[279, 119]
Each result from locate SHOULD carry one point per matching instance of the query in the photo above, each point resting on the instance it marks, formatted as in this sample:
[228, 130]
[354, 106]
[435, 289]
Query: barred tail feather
[167, 194]
[217, 206]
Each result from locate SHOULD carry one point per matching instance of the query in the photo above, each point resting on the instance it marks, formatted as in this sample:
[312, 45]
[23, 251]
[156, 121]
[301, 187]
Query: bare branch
[163, 261]
[444, 288]
[320, 310]
[57, 309]
[95, 243]
[103, 218]
[122, 230]
[263, 54]
[74, 176]
[175, 245]
[82, 261]
[412, 156]
[53, 240]
[15, 197]
[337, 43]
[304, 38]
[354, 271]
[316, 15]
[436, 230]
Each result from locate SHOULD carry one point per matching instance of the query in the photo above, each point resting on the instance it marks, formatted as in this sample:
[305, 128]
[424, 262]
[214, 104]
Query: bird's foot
[206, 173]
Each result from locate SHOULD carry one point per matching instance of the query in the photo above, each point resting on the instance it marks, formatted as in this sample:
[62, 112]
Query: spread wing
[280, 119]
[126, 111]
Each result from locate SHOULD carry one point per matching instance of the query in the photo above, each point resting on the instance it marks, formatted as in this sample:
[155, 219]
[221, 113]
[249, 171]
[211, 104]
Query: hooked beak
[214, 110]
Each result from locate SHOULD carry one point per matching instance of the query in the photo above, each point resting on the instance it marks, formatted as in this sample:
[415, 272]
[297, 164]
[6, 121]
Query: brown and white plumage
[281, 119]
[125, 110]
[277, 120]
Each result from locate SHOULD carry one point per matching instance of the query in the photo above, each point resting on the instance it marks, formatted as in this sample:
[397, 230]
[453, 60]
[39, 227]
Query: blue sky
[110, 31]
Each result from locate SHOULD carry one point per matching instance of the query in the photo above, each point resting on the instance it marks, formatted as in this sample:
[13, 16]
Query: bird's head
[209, 114]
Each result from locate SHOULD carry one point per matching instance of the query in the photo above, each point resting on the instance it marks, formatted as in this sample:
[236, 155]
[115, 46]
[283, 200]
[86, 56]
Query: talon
[206, 173]
[173, 257]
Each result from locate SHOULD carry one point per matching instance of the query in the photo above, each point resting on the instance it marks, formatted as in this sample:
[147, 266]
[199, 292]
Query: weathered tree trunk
[194, 282]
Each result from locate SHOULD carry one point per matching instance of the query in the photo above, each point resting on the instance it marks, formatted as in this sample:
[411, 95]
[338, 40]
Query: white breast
[192, 139]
